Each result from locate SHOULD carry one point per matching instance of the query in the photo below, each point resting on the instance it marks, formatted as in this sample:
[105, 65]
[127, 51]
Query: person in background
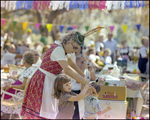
[27, 38]
[2, 39]
[106, 57]
[11, 36]
[24, 47]
[10, 55]
[19, 51]
[143, 57]
[37, 58]
[45, 49]
[20, 80]
[147, 65]
[92, 57]
[44, 39]
[124, 51]
[99, 46]
[81, 61]
[112, 45]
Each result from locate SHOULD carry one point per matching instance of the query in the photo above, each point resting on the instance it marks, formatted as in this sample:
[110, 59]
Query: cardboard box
[117, 93]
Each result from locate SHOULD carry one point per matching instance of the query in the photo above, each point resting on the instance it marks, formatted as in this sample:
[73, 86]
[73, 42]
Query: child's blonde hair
[58, 85]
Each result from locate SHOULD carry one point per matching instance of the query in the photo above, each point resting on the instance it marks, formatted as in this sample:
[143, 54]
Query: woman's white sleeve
[58, 54]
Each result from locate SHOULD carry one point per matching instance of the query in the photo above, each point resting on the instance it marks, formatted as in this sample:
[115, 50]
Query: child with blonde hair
[62, 91]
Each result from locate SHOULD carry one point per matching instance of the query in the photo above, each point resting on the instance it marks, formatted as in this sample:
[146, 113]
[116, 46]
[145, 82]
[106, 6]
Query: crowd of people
[57, 76]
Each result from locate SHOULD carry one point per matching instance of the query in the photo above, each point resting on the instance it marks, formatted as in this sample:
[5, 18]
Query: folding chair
[12, 104]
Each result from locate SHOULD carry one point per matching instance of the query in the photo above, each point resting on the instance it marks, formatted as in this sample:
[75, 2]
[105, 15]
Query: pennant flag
[61, 27]
[124, 27]
[74, 26]
[99, 30]
[138, 26]
[69, 28]
[3, 21]
[86, 27]
[24, 25]
[37, 25]
[49, 27]
[14, 24]
[111, 28]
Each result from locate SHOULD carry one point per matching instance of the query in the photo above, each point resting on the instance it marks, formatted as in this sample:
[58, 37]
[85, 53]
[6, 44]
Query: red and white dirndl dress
[38, 102]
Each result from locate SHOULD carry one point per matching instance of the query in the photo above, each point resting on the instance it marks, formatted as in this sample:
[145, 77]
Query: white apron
[49, 106]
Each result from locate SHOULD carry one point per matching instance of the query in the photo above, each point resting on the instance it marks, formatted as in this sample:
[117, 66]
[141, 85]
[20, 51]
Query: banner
[24, 25]
[124, 27]
[61, 27]
[70, 28]
[111, 28]
[86, 27]
[49, 27]
[37, 25]
[3, 21]
[74, 26]
[14, 24]
[138, 26]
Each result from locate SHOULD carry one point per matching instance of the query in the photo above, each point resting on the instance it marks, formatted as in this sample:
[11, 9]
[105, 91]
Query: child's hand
[108, 108]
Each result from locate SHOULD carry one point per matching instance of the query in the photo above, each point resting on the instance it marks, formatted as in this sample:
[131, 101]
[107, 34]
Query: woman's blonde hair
[28, 57]
[58, 85]
[69, 37]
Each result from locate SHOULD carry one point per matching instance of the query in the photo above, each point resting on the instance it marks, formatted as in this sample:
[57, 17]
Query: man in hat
[27, 38]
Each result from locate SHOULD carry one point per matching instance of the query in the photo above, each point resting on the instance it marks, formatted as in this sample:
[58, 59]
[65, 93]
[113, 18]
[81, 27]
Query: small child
[92, 107]
[62, 91]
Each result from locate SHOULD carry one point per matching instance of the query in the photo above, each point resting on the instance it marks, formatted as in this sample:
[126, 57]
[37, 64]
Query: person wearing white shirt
[10, 56]
[106, 57]
[89, 73]
[143, 56]
[112, 45]
[99, 45]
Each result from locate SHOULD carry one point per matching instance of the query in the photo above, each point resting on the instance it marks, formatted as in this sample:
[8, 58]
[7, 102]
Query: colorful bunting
[86, 27]
[138, 26]
[14, 24]
[124, 27]
[49, 27]
[74, 26]
[111, 28]
[37, 25]
[70, 28]
[61, 27]
[24, 25]
[3, 21]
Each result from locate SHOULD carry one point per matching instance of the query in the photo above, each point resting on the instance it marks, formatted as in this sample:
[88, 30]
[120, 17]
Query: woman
[124, 51]
[38, 101]
[21, 80]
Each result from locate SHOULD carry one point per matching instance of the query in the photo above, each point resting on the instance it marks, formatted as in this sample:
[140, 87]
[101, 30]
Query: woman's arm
[75, 67]
[71, 72]
[22, 86]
